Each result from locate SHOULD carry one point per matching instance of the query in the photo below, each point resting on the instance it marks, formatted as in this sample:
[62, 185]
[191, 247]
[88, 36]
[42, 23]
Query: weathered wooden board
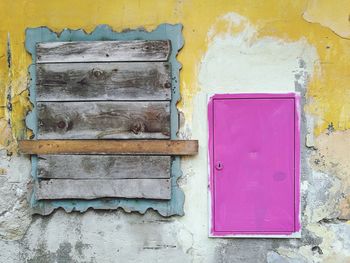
[104, 120]
[102, 51]
[125, 147]
[103, 81]
[103, 167]
[92, 189]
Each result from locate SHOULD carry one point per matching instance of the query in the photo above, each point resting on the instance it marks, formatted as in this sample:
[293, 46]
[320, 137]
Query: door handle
[219, 166]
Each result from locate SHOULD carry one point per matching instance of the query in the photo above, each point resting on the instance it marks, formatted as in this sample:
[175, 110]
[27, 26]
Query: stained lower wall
[245, 46]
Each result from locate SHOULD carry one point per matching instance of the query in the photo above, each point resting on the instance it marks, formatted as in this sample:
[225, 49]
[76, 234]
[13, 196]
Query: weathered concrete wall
[240, 46]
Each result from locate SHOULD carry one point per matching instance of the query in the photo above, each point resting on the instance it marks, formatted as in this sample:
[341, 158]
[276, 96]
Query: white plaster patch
[242, 63]
[104, 237]
[273, 257]
[17, 168]
[322, 197]
[15, 214]
[334, 246]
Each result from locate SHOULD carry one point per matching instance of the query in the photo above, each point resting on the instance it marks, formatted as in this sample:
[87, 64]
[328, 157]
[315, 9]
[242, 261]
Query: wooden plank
[142, 147]
[103, 167]
[103, 81]
[92, 189]
[103, 51]
[104, 120]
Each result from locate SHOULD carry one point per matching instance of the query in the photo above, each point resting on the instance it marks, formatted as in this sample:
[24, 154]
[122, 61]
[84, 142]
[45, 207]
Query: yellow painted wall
[324, 24]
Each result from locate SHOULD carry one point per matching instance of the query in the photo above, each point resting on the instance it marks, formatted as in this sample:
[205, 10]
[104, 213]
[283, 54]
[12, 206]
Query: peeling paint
[102, 237]
[332, 14]
[242, 62]
[332, 157]
[334, 245]
[322, 197]
[15, 215]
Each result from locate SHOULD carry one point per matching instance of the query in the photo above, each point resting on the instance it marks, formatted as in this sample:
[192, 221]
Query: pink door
[254, 159]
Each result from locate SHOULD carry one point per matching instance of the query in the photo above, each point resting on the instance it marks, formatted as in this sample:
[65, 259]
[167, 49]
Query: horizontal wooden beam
[92, 189]
[83, 166]
[103, 120]
[103, 81]
[142, 147]
[103, 51]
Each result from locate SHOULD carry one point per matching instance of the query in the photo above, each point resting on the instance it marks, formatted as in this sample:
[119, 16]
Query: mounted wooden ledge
[142, 147]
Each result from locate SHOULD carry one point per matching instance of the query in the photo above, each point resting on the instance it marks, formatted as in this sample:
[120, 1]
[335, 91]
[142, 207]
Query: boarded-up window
[103, 90]
[113, 103]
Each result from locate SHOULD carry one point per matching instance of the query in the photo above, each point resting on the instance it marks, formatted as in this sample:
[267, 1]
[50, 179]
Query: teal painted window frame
[171, 207]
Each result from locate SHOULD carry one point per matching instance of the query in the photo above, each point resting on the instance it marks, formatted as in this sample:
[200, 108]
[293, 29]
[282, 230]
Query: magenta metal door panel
[254, 170]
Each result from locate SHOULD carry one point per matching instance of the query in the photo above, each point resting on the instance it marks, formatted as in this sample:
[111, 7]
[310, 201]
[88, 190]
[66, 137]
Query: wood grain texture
[103, 167]
[104, 120]
[92, 189]
[103, 81]
[103, 51]
[142, 147]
